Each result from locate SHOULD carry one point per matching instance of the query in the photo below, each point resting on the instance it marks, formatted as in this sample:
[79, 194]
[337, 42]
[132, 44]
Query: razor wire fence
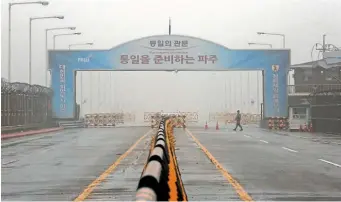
[24, 104]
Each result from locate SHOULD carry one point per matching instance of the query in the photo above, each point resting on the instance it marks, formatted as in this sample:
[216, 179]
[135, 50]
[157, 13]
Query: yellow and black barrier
[160, 179]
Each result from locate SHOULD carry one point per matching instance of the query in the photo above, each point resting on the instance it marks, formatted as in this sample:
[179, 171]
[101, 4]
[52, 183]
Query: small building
[310, 80]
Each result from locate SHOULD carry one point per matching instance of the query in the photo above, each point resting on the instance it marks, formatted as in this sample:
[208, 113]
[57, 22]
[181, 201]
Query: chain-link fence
[24, 104]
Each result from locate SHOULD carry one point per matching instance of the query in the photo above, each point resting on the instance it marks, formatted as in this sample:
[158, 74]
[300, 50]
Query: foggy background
[108, 23]
[202, 92]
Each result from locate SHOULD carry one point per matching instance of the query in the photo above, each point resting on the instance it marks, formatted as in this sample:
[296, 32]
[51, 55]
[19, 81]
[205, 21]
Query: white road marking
[289, 149]
[264, 141]
[247, 136]
[334, 164]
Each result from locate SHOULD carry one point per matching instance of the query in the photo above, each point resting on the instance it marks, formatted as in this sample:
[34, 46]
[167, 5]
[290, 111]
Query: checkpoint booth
[298, 117]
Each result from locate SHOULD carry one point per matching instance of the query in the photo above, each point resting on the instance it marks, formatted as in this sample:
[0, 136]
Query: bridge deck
[266, 165]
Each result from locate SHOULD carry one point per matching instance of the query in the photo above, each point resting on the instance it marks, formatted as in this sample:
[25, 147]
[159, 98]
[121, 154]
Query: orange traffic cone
[206, 126]
[217, 126]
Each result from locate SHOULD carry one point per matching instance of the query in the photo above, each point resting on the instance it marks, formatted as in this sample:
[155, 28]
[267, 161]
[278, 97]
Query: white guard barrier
[108, 119]
[189, 116]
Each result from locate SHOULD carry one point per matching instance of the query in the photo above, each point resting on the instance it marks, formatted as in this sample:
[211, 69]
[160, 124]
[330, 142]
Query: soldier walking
[238, 119]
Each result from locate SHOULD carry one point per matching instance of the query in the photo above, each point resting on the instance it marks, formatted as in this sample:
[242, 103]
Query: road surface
[59, 166]
[270, 166]
[105, 164]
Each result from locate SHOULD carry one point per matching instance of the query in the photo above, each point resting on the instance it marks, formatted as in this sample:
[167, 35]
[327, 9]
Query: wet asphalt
[201, 179]
[268, 165]
[58, 166]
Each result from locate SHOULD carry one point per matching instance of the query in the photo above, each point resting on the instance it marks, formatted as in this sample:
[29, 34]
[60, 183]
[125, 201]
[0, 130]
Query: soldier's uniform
[238, 119]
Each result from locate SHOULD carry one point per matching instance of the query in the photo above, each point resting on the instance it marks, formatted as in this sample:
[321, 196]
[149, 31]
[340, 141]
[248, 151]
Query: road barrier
[160, 179]
[278, 123]
[107, 119]
[191, 117]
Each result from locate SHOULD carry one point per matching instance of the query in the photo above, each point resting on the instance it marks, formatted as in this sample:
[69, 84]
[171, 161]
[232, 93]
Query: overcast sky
[232, 23]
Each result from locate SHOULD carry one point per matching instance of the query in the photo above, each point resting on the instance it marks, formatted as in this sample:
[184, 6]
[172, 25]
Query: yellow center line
[177, 169]
[152, 143]
[243, 195]
[173, 194]
[88, 190]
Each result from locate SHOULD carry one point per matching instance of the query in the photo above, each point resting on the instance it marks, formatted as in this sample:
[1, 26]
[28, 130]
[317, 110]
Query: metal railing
[311, 88]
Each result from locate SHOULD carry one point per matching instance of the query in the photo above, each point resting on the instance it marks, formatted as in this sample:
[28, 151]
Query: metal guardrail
[312, 88]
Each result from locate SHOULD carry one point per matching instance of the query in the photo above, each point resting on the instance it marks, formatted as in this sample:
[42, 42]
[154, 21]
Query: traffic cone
[206, 126]
[217, 126]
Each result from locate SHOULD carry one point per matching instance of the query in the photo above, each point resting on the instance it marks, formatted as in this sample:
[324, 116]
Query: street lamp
[54, 37]
[264, 44]
[276, 34]
[30, 40]
[80, 44]
[46, 46]
[44, 3]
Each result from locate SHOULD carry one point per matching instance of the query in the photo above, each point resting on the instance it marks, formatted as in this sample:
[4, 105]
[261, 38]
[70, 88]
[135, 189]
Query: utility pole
[248, 92]
[241, 91]
[169, 27]
[81, 104]
[110, 93]
[225, 97]
[258, 93]
[323, 49]
[91, 97]
[324, 45]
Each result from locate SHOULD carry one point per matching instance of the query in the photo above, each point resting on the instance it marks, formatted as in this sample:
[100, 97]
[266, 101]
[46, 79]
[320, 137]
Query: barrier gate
[190, 117]
[108, 119]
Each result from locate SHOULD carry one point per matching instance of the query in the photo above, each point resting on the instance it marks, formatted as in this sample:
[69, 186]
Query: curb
[28, 133]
